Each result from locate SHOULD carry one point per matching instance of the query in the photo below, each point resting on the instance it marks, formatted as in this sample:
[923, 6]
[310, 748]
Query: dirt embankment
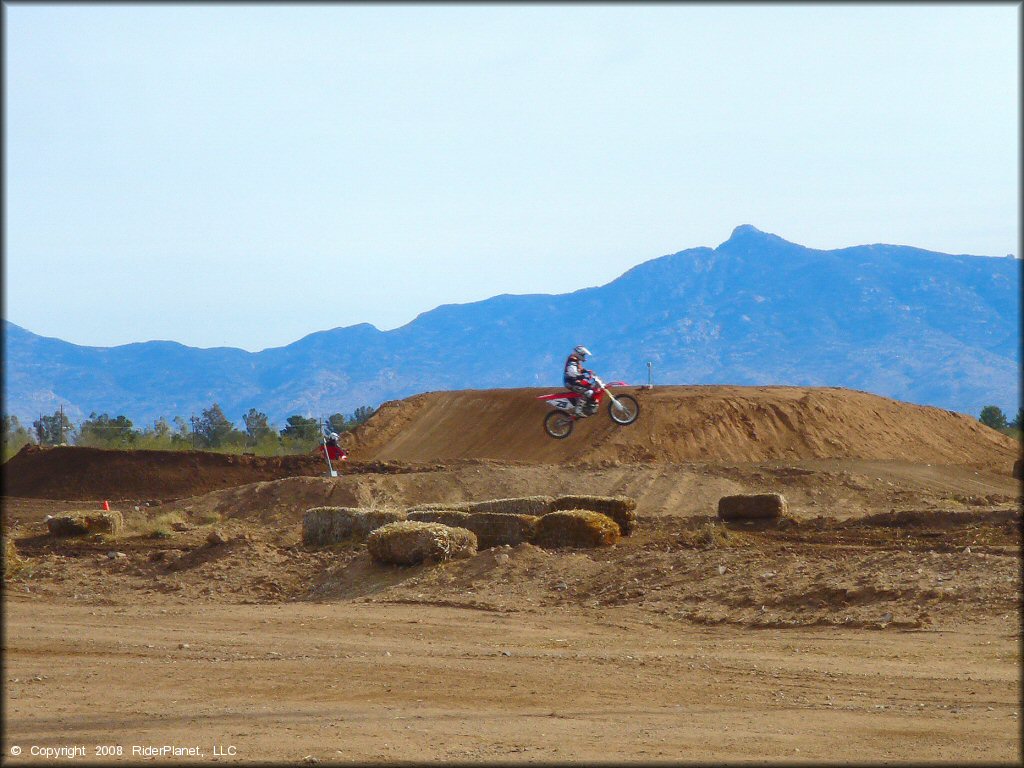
[710, 424]
[693, 423]
[92, 473]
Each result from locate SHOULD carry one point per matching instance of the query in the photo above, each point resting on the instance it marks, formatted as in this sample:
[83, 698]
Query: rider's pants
[584, 387]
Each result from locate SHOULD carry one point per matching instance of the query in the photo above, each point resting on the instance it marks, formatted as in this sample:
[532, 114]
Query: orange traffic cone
[106, 506]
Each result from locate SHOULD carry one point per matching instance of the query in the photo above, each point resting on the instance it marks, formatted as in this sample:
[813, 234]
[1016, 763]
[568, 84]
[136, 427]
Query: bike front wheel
[624, 409]
[559, 425]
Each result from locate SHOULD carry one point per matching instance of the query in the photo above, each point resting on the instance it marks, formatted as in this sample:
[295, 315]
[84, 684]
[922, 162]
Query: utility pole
[193, 420]
[62, 424]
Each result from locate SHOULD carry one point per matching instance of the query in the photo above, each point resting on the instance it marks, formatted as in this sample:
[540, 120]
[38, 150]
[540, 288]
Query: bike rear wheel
[559, 425]
[624, 409]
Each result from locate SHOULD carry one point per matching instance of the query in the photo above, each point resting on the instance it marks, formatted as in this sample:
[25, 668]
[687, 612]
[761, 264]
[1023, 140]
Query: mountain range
[915, 325]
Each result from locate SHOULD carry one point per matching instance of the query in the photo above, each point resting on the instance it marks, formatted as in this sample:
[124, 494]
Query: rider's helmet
[580, 351]
[333, 437]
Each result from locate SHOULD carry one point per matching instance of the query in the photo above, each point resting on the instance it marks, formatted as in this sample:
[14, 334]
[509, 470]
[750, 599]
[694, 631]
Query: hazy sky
[245, 175]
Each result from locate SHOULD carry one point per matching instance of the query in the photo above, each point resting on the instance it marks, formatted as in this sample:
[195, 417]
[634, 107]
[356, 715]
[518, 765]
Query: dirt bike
[623, 409]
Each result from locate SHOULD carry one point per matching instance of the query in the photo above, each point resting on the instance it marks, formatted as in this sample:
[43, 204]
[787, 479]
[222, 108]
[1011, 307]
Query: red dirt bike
[623, 409]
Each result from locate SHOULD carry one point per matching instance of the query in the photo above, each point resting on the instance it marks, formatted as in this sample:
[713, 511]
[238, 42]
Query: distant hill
[914, 325]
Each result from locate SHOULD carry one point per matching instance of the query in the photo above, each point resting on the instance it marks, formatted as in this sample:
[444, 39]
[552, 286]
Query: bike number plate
[562, 403]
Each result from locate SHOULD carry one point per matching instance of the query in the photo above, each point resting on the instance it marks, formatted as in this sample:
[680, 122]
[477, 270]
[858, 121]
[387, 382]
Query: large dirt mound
[683, 423]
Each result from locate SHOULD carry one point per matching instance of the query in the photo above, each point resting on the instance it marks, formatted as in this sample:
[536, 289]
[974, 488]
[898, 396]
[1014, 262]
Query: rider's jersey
[333, 451]
[574, 369]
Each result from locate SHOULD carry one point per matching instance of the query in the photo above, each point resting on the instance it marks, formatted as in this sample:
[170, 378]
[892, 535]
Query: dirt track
[354, 682]
[879, 621]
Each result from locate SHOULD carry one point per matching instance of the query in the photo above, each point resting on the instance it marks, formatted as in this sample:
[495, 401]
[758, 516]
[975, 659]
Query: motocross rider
[331, 448]
[576, 378]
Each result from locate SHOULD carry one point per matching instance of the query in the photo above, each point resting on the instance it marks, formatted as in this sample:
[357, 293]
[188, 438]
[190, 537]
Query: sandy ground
[355, 682]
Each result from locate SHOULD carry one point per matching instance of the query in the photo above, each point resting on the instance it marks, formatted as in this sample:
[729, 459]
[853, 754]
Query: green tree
[161, 429]
[337, 422]
[1018, 420]
[269, 444]
[256, 426]
[993, 416]
[213, 429]
[53, 430]
[362, 413]
[301, 429]
[103, 431]
[158, 437]
[15, 436]
[182, 437]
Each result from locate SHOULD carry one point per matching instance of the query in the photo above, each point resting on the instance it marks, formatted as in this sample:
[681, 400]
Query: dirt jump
[696, 423]
[877, 618]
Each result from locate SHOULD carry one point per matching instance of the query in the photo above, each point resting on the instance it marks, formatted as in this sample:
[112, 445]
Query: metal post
[650, 385]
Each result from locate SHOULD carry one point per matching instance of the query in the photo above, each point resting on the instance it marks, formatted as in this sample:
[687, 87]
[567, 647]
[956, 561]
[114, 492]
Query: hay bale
[327, 525]
[752, 506]
[66, 525]
[621, 509]
[84, 523]
[369, 520]
[104, 522]
[409, 542]
[494, 529]
[525, 505]
[332, 525]
[575, 528]
[440, 506]
[449, 517]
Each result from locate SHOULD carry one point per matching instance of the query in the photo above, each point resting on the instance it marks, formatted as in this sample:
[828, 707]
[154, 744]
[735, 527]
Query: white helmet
[332, 436]
[580, 351]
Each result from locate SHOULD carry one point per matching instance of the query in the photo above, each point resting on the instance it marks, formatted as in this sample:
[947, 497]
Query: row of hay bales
[621, 509]
[408, 542]
[419, 532]
[492, 529]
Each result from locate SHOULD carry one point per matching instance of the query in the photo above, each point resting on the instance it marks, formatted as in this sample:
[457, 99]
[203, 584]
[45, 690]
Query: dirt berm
[683, 423]
[93, 473]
